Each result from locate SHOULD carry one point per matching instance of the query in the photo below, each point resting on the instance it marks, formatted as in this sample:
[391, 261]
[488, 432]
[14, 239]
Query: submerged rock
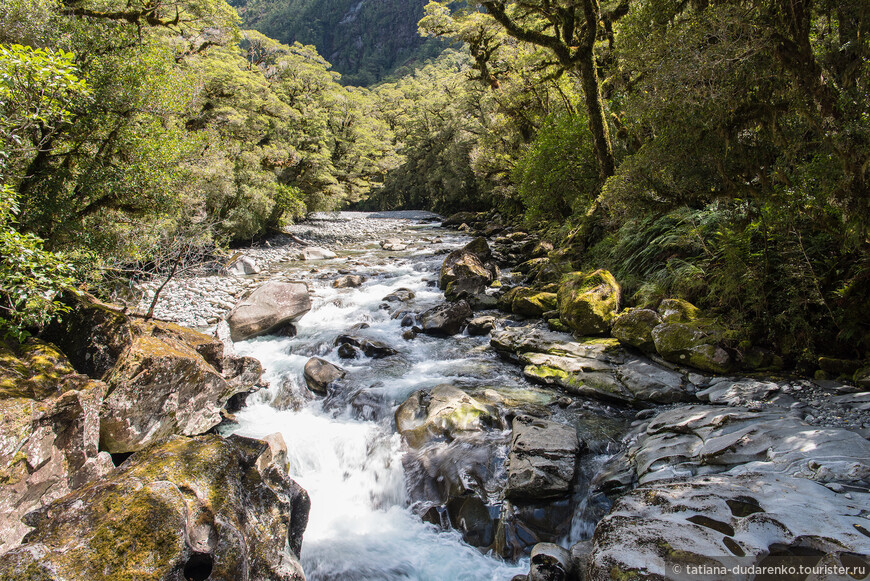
[185, 509]
[371, 348]
[713, 520]
[588, 302]
[49, 433]
[315, 253]
[270, 307]
[349, 281]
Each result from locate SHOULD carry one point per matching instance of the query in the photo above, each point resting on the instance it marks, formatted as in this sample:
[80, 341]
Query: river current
[344, 449]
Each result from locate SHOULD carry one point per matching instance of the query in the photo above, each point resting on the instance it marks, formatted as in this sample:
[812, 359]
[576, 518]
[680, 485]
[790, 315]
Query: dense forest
[712, 151]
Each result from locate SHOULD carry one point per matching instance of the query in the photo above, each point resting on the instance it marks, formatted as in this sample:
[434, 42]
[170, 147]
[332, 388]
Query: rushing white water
[360, 527]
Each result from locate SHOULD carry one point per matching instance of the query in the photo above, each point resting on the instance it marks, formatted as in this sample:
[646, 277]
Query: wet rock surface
[697, 440]
[758, 436]
[714, 520]
[542, 460]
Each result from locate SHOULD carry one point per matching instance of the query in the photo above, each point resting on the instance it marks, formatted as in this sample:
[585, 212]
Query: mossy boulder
[678, 311]
[588, 302]
[185, 509]
[634, 328]
[49, 432]
[862, 377]
[697, 344]
[161, 386]
[162, 378]
[468, 271]
[531, 302]
[444, 413]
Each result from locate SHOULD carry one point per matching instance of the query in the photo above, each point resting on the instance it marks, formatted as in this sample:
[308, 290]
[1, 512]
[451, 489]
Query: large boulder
[542, 460]
[532, 303]
[202, 508]
[320, 373]
[270, 307]
[468, 270]
[698, 440]
[49, 433]
[447, 319]
[676, 529]
[162, 378]
[588, 302]
[634, 328]
[161, 385]
[446, 412]
[697, 344]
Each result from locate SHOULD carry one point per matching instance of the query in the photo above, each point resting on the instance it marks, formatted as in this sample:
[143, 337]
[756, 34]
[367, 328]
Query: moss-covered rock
[862, 377]
[697, 344]
[49, 432]
[588, 302]
[532, 303]
[163, 378]
[160, 386]
[678, 311]
[443, 413]
[839, 367]
[634, 328]
[185, 509]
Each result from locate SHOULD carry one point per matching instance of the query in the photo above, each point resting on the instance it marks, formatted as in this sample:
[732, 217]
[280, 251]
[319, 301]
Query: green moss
[137, 538]
[33, 369]
[678, 311]
[588, 302]
[532, 303]
[545, 373]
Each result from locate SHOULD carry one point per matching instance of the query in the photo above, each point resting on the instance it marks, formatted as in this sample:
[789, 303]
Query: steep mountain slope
[365, 40]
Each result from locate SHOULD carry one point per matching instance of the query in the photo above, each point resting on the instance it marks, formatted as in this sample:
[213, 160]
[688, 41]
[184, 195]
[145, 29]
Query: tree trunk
[597, 119]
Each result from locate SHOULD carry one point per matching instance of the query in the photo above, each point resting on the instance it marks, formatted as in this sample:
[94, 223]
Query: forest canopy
[713, 151]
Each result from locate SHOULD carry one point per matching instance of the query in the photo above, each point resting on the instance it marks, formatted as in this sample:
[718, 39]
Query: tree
[568, 30]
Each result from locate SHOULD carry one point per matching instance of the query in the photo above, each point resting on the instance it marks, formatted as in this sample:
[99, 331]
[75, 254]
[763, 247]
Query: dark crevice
[198, 567]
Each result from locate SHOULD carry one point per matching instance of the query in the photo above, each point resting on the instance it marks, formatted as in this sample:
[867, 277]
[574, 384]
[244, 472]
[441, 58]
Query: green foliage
[30, 277]
[557, 176]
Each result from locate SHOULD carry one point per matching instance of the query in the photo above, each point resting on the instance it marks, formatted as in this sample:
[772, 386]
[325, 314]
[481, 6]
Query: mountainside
[365, 40]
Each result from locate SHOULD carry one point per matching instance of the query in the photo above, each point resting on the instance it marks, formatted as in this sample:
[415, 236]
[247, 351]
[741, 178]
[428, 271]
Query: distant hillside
[365, 40]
